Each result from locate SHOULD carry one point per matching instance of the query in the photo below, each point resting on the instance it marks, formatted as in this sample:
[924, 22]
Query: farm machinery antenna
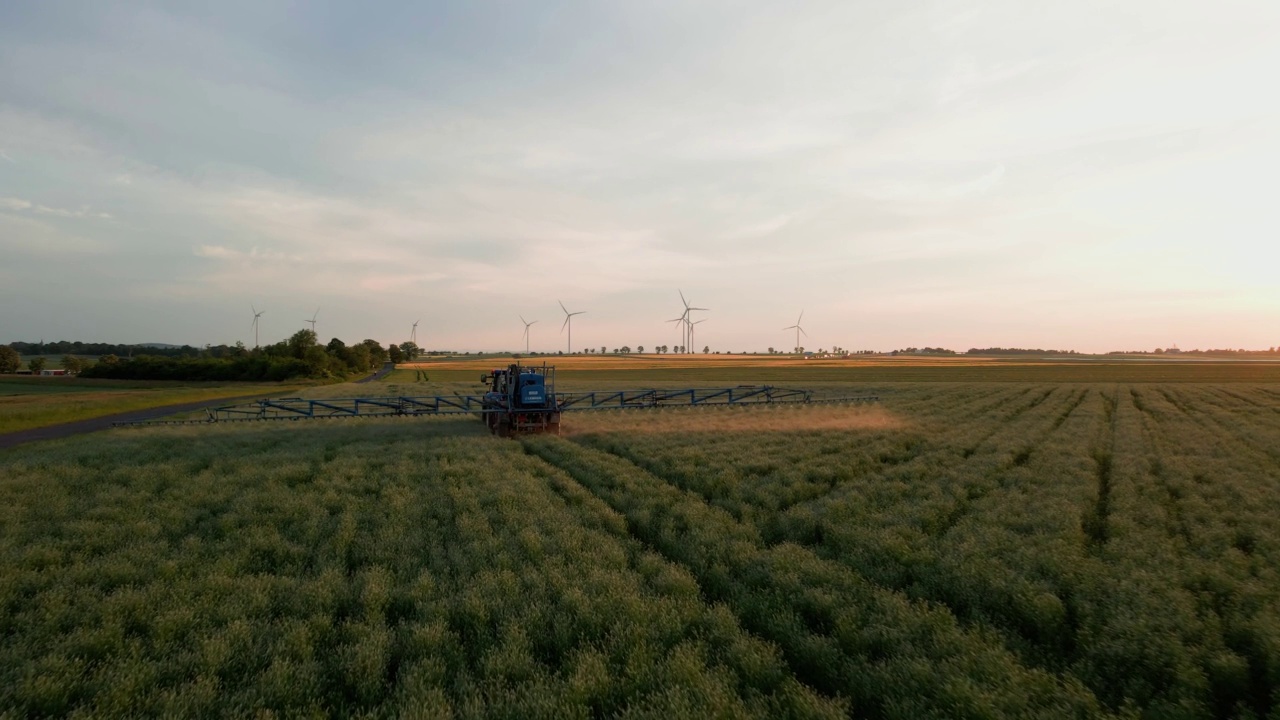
[520, 399]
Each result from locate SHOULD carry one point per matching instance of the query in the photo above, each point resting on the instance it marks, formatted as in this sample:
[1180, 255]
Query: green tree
[319, 362]
[301, 342]
[10, 360]
[395, 353]
[377, 353]
[357, 357]
[72, 364]
[640, 349]
[109, 359]
[410, 350]
[36, 365]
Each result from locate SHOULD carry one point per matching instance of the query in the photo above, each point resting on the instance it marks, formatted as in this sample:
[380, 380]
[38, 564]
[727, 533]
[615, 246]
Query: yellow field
[595, 372]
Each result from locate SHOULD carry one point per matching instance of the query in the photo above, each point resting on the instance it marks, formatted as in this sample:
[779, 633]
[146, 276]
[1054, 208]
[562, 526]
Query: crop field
[961, 549]
[38, 402]
[592, 372]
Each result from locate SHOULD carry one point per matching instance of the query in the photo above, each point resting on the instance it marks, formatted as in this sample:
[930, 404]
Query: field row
[1121, 536]
[964, 550]
[364, 570]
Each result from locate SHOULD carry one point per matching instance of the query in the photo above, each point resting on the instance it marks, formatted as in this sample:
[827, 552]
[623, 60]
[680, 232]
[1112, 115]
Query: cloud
[760, 229]
[936, 191]
[29, 236]
[455, 160]
[219, 252]
[18, 204]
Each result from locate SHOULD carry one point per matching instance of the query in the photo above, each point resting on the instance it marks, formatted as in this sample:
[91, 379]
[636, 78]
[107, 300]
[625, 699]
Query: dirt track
[53, 432]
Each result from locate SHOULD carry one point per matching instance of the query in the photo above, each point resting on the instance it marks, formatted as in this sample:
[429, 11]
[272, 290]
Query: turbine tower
[798, 330]
[691, 342]
[313, 323]
[684, 329]
[568, 323]
[256, 315]
[527, 323]
[413, 334]
[688, 324]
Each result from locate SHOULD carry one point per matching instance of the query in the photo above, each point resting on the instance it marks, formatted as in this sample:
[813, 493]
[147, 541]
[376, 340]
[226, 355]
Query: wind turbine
[568, 323]
[313, 323]
[413, 334]
[527, 323]
[256, 315]
[683, 320]
[798, 330]
[688, 326]
[691, 342]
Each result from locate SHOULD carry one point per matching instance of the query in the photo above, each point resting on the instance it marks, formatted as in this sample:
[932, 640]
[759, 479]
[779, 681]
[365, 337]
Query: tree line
[65, 347]
[300, 356]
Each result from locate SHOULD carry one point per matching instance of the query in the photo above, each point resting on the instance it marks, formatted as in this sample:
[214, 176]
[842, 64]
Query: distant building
[47, 373]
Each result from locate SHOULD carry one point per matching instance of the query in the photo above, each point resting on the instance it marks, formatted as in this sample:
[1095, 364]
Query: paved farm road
[387, 367]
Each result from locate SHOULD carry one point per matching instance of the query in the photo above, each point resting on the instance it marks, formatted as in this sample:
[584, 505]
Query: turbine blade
[526, 322]
[562, 307]
[566, 322]
[802, 332]
[800, 318]
[686, 302]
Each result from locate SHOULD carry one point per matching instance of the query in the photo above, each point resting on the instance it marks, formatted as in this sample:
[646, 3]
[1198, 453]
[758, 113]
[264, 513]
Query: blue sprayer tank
[533, 390]
[521, 399]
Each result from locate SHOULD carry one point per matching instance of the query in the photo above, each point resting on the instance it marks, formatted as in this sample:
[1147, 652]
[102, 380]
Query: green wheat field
[1015, 549]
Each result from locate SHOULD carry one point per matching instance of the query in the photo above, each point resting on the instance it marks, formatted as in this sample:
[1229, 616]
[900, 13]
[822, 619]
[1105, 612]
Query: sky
[1088, 175]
